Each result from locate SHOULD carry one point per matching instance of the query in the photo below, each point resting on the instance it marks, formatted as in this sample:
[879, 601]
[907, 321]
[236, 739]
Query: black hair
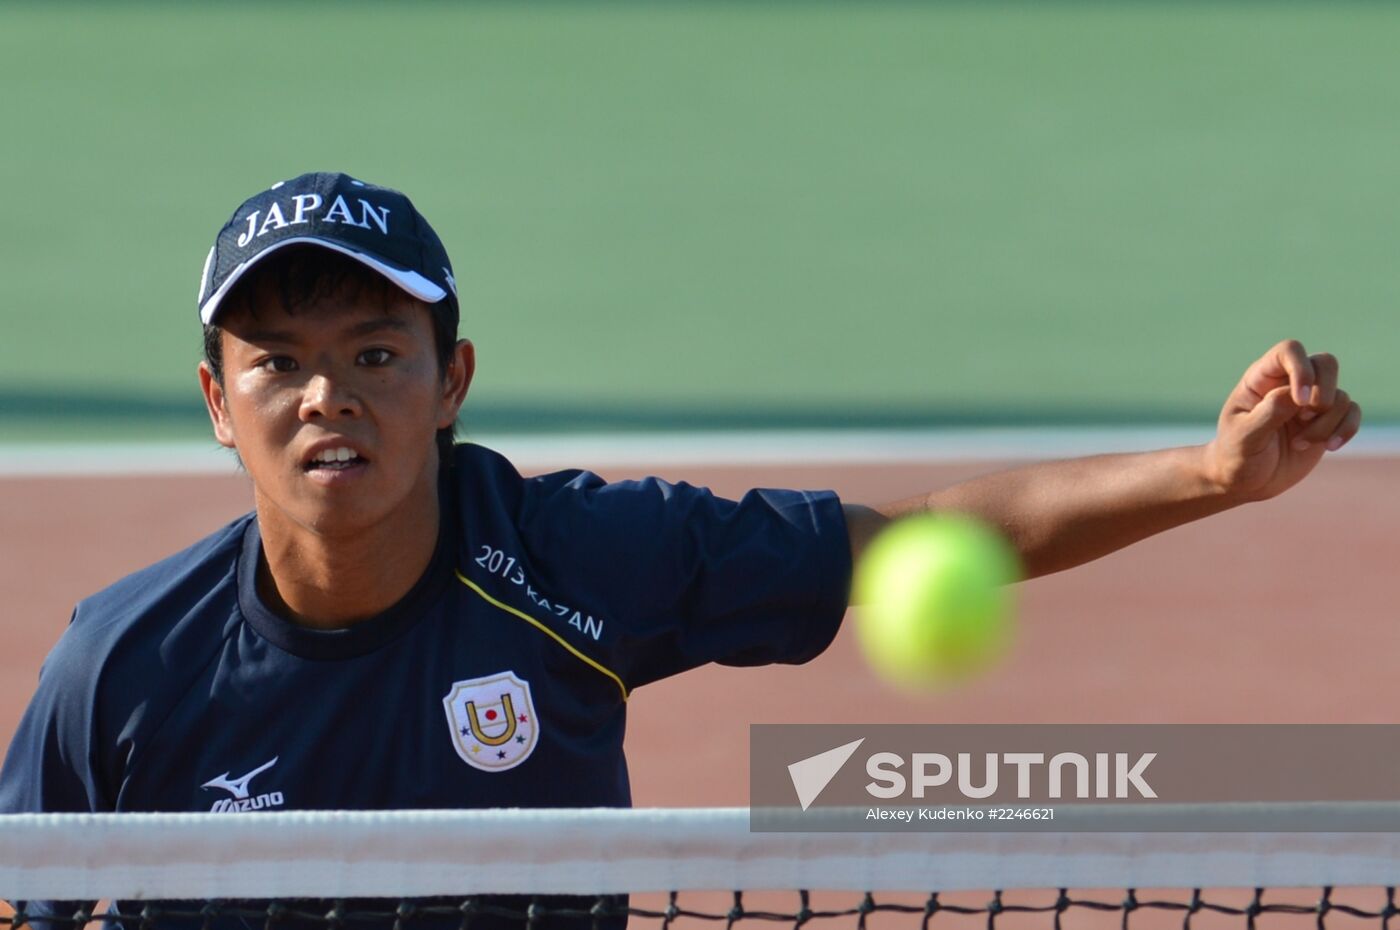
[301, 275]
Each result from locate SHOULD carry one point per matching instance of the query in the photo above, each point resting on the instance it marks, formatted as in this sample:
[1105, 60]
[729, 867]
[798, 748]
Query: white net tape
[410, 853]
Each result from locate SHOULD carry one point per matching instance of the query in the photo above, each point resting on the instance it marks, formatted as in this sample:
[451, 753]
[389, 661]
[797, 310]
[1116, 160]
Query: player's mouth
[335, 463]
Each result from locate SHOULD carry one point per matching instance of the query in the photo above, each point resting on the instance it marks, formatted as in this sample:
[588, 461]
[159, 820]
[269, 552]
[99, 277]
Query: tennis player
[404, 622]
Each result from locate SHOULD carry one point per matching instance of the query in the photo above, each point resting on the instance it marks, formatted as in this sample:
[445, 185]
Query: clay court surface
[1278, 612]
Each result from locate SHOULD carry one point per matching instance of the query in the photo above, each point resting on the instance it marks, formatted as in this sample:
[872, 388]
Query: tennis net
[666, 868]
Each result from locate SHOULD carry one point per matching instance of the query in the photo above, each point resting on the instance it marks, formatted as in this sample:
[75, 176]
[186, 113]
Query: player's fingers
[1301, 377]
[1324, 394]
[1350, 426]
[1325, 425]
[1286, 363]
[1265, 420]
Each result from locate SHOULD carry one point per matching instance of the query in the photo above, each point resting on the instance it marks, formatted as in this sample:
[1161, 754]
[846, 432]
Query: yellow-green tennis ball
[934, 599]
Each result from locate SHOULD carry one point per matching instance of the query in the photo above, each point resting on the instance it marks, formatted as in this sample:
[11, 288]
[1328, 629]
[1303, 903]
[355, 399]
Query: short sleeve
[48, 768]
[693, 578]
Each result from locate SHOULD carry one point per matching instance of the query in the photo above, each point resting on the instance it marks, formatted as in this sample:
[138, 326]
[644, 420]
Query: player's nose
[328, 397]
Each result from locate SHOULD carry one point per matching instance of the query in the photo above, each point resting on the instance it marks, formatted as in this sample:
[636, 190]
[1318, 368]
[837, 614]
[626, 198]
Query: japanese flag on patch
[492, 720]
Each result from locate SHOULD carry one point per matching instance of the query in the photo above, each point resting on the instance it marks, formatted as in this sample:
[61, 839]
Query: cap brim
[411, 282]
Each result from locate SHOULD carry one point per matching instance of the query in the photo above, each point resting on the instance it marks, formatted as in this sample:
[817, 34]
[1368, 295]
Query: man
[402, 623]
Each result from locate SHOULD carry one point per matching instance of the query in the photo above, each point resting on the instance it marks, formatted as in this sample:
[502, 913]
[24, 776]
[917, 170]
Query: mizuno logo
[238, 787]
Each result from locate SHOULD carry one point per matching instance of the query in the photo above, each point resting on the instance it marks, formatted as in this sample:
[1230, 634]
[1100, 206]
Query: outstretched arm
[1278, 422]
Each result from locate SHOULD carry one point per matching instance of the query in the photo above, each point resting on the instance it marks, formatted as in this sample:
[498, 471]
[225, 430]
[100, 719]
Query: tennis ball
[934, 599]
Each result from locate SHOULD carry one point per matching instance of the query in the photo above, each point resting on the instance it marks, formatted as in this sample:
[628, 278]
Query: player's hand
[1280, 420]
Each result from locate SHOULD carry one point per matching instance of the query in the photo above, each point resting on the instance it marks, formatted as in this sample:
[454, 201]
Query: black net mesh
[1191, 909]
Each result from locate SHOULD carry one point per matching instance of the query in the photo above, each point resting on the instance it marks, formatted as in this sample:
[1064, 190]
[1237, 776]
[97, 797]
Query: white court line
[623, 450]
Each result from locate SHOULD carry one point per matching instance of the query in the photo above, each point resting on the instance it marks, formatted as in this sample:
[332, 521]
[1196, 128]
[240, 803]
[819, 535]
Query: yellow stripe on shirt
[546, 630]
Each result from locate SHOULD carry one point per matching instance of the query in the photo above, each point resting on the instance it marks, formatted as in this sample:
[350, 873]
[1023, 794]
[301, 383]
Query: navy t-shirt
[499, 680]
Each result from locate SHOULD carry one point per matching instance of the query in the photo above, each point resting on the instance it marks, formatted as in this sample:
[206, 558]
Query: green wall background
[681, 215]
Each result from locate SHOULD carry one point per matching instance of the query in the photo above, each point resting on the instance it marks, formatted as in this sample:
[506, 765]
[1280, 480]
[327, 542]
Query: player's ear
[214, 401]
[455, 382]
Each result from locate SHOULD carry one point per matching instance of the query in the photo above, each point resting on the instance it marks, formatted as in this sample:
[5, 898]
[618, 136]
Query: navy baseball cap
[376, 226]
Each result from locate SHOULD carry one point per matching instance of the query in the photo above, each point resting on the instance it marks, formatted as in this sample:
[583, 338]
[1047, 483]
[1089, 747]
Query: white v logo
[238, 787]
[811, 775]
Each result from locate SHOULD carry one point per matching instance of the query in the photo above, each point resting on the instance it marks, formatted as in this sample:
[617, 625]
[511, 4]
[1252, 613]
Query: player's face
[334, 408]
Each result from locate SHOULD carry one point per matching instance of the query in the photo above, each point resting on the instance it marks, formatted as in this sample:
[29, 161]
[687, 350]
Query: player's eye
[374, 358]
[281, 364]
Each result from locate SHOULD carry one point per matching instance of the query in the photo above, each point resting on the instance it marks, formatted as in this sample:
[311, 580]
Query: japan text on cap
[376, 226]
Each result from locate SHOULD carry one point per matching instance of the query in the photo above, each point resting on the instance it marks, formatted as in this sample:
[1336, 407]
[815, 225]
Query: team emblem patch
[492, 720]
